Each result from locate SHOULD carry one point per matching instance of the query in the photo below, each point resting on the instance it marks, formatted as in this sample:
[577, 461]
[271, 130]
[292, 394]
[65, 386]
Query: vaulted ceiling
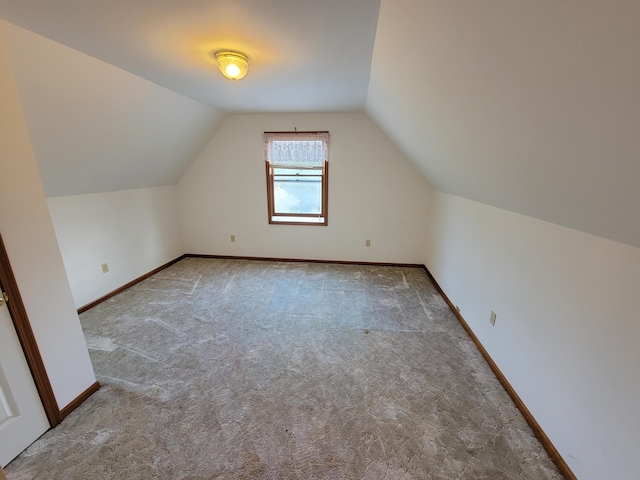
[528, 105]
[531, 106]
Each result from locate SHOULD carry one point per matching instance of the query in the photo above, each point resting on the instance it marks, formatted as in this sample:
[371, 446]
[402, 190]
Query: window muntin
[297, 169]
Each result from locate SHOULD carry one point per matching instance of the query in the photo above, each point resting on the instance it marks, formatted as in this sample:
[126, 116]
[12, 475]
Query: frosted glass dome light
[233, 65]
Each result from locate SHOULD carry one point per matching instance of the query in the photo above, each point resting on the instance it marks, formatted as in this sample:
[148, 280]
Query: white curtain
[293, 149]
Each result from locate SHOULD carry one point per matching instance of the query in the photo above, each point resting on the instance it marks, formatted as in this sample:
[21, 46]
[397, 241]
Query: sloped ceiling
[531, 106]
[96, 128]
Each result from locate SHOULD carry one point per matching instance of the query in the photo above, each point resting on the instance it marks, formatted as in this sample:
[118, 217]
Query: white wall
[133, 231]
[374, 194]
[567, 329]
[33, 251]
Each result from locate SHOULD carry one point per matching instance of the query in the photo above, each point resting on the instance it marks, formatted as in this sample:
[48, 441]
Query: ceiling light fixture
[233, 65]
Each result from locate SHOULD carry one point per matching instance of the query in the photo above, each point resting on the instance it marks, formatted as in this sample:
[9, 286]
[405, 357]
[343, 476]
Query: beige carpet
[247, 369]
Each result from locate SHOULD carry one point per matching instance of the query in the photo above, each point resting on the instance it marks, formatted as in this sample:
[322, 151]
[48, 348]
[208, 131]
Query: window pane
[297, 191]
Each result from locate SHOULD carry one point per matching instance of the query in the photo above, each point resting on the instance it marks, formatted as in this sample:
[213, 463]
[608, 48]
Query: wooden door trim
[27, 339]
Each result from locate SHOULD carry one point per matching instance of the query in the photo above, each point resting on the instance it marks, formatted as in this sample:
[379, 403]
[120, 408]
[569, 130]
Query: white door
[22, 418]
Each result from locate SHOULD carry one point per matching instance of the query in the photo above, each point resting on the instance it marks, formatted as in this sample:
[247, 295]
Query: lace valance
[300, 149]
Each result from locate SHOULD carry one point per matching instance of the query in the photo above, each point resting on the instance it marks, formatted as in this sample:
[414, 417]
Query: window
[297, 165]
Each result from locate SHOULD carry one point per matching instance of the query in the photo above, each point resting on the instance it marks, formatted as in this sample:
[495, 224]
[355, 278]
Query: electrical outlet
[233, 238]
[367, 243]
[492, 318]
[105, 267]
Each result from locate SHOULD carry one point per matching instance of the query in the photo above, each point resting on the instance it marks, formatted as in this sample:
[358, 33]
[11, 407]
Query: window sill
[277, 220]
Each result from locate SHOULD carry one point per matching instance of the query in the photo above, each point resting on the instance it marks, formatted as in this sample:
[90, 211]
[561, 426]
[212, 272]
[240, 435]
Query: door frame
[27, 338]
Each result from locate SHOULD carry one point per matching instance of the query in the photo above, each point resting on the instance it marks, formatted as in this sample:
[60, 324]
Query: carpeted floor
[248, 369]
